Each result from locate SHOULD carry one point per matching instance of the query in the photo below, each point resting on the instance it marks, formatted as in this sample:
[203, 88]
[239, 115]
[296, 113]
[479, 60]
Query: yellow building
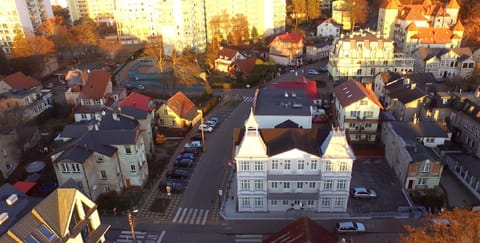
[178, 112]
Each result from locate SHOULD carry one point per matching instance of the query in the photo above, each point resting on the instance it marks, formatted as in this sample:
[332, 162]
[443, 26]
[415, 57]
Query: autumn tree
[358, 10]
[240, 30]
[64, 13]
[29, 53]
[470, 17]
[459, 225]
[211, 53]
[304, 10]
[154, 48]
[185, 67]
[254, 33]
[86, 34]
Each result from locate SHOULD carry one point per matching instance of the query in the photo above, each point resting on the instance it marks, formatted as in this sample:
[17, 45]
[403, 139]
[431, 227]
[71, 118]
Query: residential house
[65, 215]
[303, 230]
[141, 108]
[315, 52]
[437, 107]
[10, 152]
[409, 151]
[404, 94]
[103, 156]
[244, 67]
[417, 25]
[91, 93]
[179, 111]
[466, 168]
[445, 62]
[22, 98]
[329, 28]
[357, 111]
[226, 58]
[284, 169]
[287, 49]
[362, 55]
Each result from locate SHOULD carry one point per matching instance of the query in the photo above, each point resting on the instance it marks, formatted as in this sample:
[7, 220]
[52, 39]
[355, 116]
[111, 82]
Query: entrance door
[410, 184]
[127, 182]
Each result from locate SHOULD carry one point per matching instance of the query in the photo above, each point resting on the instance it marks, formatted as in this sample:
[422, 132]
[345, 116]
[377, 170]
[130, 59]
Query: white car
[362, 192]
[312, 72]
[211, 124]
[349, 227]
[205, 128]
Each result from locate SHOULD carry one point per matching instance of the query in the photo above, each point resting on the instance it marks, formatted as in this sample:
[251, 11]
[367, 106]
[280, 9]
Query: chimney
[413, 86]
[286, 94]
[368, 86]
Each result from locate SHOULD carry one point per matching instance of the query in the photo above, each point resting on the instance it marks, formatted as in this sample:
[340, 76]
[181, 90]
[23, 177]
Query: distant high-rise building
[21, 16]
[98, 10]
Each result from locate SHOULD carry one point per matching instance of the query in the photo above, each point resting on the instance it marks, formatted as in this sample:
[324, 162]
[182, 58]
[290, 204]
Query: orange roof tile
[182, 106]
[390, 4]
[352, 91]
[434, 35]
[453, 4]
[19, 80]
[227, 52]
[96, 85]
[458, 26]
[412, 12]
[412, 27]
[138, 101]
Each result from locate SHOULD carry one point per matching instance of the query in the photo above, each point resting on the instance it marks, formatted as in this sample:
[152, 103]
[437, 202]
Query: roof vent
[294, 94]
[286, 94]
[11, 199]
[3, 218]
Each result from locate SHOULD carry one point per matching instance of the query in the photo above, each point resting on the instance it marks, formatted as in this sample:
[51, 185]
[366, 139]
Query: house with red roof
[287, 49]
[226, 58]
[18, 80]
[91, 94]
[357, 110]
[244, 67]
[178, 112]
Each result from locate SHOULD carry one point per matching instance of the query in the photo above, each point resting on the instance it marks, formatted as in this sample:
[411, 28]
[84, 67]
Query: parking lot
[375, 173]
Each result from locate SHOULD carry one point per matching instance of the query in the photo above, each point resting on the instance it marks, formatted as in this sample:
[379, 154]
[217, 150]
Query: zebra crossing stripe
[193, 216]
[199, 217]
[205, 217]
[248, 238]
[159, 240]
[185, 210]
[190, 211]
[177, 215]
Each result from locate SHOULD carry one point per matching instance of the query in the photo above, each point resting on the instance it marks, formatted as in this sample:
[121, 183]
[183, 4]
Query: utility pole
[132, 227]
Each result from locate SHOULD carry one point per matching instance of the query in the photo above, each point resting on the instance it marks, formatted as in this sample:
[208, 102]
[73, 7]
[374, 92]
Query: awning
[24, 186]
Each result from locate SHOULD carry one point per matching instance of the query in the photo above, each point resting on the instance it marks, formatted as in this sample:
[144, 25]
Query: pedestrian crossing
[191, 216]
[247, 99]
[248, 238]
[126, 236]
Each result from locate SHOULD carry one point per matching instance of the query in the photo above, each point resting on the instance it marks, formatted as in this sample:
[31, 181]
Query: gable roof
[227, 53]
[76, 77]
[288, 37]
[182, 106]
[404, 93]
[453, 4]
[430, 35]
[16, 211]
[138, 101]
[303, 230]
[287, 124]
[352, 91]
[310, 86]
[96, 85]
[19, 80]
[331, 21]
[246, 66]
[428, 53]
[134, 112]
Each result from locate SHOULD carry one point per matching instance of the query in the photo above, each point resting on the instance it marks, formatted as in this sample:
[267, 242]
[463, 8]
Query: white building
[329, 28]
[24, 15]
[281, 169]
[445, 62]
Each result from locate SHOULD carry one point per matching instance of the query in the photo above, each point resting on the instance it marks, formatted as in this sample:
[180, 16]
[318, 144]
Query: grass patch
[160, 205]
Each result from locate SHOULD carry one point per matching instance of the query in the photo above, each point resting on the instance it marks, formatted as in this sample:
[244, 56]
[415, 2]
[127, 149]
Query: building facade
[329, 28]
[445, 62]
[302, 175]
[287, 49]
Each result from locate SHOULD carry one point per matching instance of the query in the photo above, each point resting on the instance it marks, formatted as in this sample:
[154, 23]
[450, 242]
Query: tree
[155, 48]
[358, 10]
[31, 50]
[230, 39]
[185, 67]
[254, 33]
[211, 53]
[313, 9]
[458, 225]
[63, 13]
[239, 29]
[86, 34]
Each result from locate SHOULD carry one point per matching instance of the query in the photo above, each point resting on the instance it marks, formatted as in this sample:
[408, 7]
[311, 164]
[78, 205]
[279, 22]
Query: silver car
[362, 192]
[349, 227]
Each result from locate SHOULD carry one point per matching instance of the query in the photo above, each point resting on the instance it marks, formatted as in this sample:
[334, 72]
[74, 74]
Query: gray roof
[287, 124]
[427, 53]
[470, 162]
[117, 137]
[272, 101]
[134, 112]
[410, 131]
[74, 130]
[295, 177]
[421, 153]
[16, 211]
[120, 123]
[292, 196]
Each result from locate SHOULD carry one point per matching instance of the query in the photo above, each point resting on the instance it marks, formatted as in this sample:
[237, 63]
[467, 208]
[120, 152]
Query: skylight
[46, 232]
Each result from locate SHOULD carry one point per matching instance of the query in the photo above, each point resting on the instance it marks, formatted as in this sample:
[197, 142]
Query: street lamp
[199, 111]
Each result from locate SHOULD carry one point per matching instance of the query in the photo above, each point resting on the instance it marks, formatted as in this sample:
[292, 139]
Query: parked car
[320, 119]
[140, 87]
[186, 155]
[349, 227]
[187, 163]
[179, 174]
[194, 151]
[211, 124]
[205, 128]
[215, 119]
[197, 137]
[193, 144]
[323, 69]
[362, 192]
[175, 185]
[312, 72]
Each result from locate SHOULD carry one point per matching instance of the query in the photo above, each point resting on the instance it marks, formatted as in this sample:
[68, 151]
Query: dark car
[323, 69]
[175, 185]
[184, 163]
[186, 155]
[197, 137]
[179, 174]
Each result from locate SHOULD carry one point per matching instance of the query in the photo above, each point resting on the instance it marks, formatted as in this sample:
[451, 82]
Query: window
[343, 166]
[245, 185]
[65, 168]
[133, 168]
[258, 166]
[128, 150]
[299, 185]
[258, 202]
[341, 185]
[99, 159]
[274, 184]
[313, 165]
[422, 181]
[310, 203]
[363, 102]
[355, 113]
[328, 185]
[274, 202]
[359, 71]
[286, 185]
[312, 184]
[325, 202]
[301, 165]
[245, 202]
[32, 239]
[83, 115]
[97, 102]
[76, 168]
[368, 114]
[352, 125]
[328, 165]
[8, 165]
[339, 202]
[103, 175]
[244, 166]
[86, 101]
[165, 112]
[285, 202]
[425, 168]
[368, 125]
[46, 232]
[372, 71]
[286, 165]
[258, 184]
[274, 164]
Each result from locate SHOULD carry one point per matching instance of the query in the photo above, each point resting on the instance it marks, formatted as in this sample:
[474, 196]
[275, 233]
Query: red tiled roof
[308, 85]
[303, 230]
[289, 37]
[352, 91]
[434, 35]
[19, 80]
[227, 52]
[138, 101]
[389, 4]
[246, 66]
[182, 106]
[412, 12]
[96, 84]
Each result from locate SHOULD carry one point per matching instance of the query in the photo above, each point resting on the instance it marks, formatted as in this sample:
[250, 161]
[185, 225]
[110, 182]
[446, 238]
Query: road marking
[248, 238]
[193, 216]
[199, 217]
[183, 215]
[190, 211]
[205, 216]
[177, 214]
[159, 240]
